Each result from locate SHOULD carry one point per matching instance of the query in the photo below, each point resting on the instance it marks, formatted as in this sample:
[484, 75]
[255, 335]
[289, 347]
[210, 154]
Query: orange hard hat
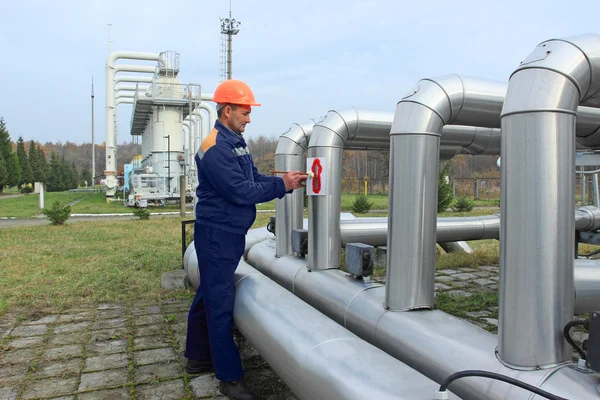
[233, 91]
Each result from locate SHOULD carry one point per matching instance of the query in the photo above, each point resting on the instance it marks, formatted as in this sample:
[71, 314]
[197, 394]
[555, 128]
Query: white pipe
[124, 100]
[110, 102]
[133, 78]
[133, 88]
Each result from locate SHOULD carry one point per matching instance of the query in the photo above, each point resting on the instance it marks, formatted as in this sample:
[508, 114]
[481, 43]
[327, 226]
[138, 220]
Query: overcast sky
[301, 58]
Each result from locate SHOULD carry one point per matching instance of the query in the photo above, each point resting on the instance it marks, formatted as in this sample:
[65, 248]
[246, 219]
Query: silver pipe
[596, 192]
[538, 177]
[432, 342]
[289, 211]
[414, 159]
[315, 357]
[327, 142]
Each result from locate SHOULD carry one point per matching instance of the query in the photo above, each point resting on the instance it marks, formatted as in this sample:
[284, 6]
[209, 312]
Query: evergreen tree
[44, 169]
[26, 172]
[3, 173]
[14, 170]
[55, 177]
[5, 142]
[34, 162]
[74, 181]
[5, 151]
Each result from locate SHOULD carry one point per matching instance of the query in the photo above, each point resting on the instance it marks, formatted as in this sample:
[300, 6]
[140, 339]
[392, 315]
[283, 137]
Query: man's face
[239, 116]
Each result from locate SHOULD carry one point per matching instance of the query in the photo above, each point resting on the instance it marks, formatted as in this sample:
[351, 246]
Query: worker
[229, 187]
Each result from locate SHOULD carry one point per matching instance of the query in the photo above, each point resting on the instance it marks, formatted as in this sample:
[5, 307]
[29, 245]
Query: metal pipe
[538, 175]
[289, 210]
[430, 341]
[293, 143]
[327, 142]
[133, 78]
[325, 361]
[110, 105]
[596, 192]
[414, 159]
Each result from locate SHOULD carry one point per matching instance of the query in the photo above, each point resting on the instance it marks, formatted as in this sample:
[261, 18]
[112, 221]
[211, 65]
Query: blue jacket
[229, 184]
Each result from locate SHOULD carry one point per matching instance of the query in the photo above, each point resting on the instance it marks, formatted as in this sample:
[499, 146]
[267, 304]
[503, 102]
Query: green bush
[141, 213]
[58, 214]
[361, 204]
[444, 189]
[462, 204]
[26, 189]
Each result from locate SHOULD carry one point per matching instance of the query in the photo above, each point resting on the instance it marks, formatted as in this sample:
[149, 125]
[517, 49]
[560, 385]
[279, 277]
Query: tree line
[63, 166]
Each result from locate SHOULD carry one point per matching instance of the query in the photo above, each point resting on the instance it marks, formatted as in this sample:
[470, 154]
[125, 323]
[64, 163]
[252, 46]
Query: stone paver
[25, 342]
[152, 372]
[43, 321]
[12, 374]
[110, 394]
[107, 347]
[169, 390]
[29, 330]
[71, 327]
[50, 388]
[63, 352]
[59, 339]
[99, 363]
[65, 368]
[149, 319]
[154, 356]
[447, 271]
[18, 356]
[104, 379]
[150, 342]
[464, 276]
[68, 318]
[8, 393]
[205, 385]
[109, 323]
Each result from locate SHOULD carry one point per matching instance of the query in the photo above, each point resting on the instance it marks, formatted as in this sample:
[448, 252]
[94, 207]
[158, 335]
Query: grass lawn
[28, 206]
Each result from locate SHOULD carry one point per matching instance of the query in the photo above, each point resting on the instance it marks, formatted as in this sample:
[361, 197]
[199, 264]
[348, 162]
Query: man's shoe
[236, 390]
[198, 367]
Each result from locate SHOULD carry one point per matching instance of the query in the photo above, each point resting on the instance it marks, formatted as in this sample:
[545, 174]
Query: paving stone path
[134, 351]
[113, 351]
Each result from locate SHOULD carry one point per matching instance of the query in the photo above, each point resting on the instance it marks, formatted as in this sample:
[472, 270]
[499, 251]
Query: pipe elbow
[335, 130]
[295, 140]
[443, 95]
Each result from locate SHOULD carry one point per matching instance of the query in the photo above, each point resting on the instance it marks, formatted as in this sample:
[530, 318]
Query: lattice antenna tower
[229, 28]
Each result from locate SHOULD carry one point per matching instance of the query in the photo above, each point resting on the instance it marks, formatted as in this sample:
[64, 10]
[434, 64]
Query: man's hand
[294, 180]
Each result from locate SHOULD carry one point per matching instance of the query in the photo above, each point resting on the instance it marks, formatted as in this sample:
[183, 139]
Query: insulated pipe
[289, 210]
[325, 361]
[414, 159]
[124, 100]
[327, 142]
[432, 342]
[133, 78]
[133, 88]
[289, 155]
[110, 104]
[538, 176]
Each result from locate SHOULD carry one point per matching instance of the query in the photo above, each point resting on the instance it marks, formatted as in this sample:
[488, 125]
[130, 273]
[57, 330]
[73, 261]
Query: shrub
[462, 204]
[444, 190]
[26, 189]
[141, 213]
[361, 204]
[58, 214]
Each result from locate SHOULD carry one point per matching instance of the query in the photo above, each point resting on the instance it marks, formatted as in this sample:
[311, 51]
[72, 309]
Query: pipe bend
[131, 55]
[335, 130]
[295, 140]
[443, 95]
